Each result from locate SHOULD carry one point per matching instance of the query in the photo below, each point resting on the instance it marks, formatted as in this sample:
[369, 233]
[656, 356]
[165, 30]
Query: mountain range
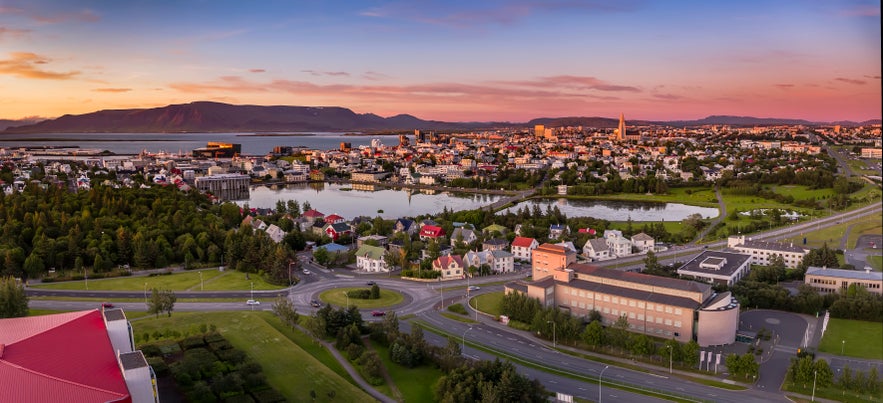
[220, 117]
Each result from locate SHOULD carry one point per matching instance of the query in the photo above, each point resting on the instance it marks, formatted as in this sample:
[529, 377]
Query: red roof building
[334, 219]
[431, 232]
[72, 357]
[313, 214]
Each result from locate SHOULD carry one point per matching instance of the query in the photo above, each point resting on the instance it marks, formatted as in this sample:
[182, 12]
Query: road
[424, 299]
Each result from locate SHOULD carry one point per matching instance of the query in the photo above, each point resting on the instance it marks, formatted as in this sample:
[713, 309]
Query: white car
[252, 302]
[307, 272]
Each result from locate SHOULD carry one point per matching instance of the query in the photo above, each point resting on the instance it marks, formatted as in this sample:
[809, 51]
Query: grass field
[862, 339]
[488, 303]
[337, 296]
[832, 235]
[131, 315]
[697, 197]
[289, 369]
[212, 280]
[800, 192]
[415, 384]
[876, 262]
[673, 227]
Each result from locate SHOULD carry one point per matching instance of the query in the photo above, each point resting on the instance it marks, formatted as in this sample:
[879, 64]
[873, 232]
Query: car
[252, 302]
[307, 272]
[473, 288]
[370, 283]
[106, 305]
[378, 313]
[315, 304]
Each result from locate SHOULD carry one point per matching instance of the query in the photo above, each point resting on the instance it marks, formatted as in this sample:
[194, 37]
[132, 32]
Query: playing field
[855, 338]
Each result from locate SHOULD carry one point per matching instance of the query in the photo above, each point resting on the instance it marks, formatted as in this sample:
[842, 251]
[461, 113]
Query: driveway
[790, 331]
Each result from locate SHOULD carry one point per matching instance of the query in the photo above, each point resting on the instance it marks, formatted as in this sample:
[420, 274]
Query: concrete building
[370, 258]
[657, 306]
[643, 242]
[826, 281]
[547, 258]
[225, 186]
[596, 249]
[761, 252]
[715, 267]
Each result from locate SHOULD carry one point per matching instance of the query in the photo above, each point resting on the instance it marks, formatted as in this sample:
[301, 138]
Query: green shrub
[192, 342]
[268, 396]
[457, 308]
[359, 294]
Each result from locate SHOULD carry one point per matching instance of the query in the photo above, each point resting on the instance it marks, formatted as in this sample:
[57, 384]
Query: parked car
[106, 305]
[252, 302]
[378, 313]
[315, 304]
[307, 272]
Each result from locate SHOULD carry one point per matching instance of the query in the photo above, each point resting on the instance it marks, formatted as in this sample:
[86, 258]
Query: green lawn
[697, 196]
[800, 192]
[833, 234]
[862, 339]
[415, 384]
[488, 303]
[337, 296]
[212, 280]
[38, 312]
[289, 369]
[876, 262]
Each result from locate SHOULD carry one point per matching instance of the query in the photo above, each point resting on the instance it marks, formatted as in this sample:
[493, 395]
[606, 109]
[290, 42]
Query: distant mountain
[753, 121]
[219, 117]
[4, 123]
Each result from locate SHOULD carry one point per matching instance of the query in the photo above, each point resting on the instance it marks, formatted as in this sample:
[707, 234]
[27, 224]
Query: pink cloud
[12, 32]
[257, 71]
[573, 82]
[850, 80]
[113, 90]
[862, 11]
[26, 65]
[784, 86]
[327, 73]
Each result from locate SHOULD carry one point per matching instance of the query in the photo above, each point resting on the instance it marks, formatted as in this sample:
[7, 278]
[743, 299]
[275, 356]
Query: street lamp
[145, 292]
[599, 382]
[554, 334]
[815, 375]
[842, 345]
[201, 285]
[252, 290]
[669, 357]
[85, 278]
[347, 299]
[463, 349]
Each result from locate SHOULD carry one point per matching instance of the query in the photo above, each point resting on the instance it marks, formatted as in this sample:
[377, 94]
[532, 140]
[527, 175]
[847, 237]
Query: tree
[285, 310]
[375, 291]
[321, 256]
[161, 301]
[690, 353]
[13, 300]
[824, 375]
[593, 334]
[651, 262]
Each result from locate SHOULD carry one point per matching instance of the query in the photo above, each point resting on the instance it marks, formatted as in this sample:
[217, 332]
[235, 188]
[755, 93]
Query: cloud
[84, 15]
[112, 89]
[784, 86]
[257, 71]
[873, 77]
[861, 11]
[12, 32]
[374, 76]
[478, 14]
[850, 80]
[572, 82]
[27, 65]
[327, 73]
[668, 97]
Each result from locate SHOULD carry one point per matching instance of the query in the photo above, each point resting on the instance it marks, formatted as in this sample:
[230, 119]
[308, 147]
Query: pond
[350, 201]
[617, 210]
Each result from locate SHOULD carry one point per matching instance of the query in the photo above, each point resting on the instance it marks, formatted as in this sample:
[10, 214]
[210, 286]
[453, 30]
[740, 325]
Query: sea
[183, 143]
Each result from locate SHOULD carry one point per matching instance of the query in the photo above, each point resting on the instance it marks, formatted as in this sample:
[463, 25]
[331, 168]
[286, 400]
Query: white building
[370, 258]
[762, 252]
[716, 267]
[522, 247]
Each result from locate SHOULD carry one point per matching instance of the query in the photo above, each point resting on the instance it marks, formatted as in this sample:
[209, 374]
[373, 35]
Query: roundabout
[338, 296]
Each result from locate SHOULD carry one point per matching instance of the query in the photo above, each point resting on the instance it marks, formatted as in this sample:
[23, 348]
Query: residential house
[558, 230]
[494, 228]
[428, 232]
[467, 236]
[335, 231]
[370, 258]
[618, 244]
[451, 267]
[477, 259]
[521, 247]
[275, 233]
[643, 242]
[569, 245]
[494, 244]
[503, 262]
[405, 225]
[379, 240]
[597, 249]
[443, 250]
[334, 219]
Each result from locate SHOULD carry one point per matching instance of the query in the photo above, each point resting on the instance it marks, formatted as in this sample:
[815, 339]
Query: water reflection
[616, 210]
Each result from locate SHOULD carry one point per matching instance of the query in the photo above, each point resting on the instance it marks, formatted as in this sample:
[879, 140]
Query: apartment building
[225, 186]
[761, 252]
[715, 267]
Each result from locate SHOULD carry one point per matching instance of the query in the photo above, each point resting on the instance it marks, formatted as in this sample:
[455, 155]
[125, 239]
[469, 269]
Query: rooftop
[841, 273]
[715, 262]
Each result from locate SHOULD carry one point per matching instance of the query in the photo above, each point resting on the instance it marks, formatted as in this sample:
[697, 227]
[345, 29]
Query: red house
[431, 232]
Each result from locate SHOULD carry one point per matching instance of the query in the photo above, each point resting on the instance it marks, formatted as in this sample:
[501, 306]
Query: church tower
[621, 130]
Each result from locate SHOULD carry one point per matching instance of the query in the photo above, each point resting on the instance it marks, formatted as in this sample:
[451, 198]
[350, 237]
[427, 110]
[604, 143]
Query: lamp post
[252, 290]
[442, 290]
[463, 349]
[599, 382]
[85, 279]
[347, 299]
[669, 357]
[145, 292]
[201, 284]
[815, 375]
[842, 344]
[554, 334]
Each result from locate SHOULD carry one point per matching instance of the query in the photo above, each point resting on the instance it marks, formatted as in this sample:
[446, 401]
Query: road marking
[581, 388]
[657, 375]
[680, 389]
[551, 381]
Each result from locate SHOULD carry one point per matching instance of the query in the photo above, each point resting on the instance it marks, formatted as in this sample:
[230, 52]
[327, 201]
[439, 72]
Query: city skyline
[454, 61]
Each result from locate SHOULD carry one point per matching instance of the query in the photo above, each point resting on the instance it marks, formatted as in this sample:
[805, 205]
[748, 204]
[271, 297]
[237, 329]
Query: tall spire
[621, 134]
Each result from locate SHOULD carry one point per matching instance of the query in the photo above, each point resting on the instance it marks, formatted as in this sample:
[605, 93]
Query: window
[606, 298]
[658, 308]
[678, 311]
[649, 306]
[631, 315]
[668, 309]
[640, 316]
[615, 312]
[649, 318]
[641, 304]
[606, 310]
[582, 293]
[615, 300]
[631, 303]
[659, 320]
[668, 322]
[677, 323]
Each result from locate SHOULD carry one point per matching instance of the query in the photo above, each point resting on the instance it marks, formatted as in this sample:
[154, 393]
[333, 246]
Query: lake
[615, 210]
[331, 198]
[134, 143]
